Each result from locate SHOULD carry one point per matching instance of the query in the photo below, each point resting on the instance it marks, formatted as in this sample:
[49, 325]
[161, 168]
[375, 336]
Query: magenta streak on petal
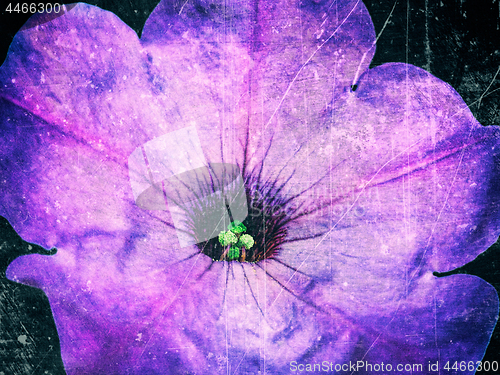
[146, 161]
[380, 177]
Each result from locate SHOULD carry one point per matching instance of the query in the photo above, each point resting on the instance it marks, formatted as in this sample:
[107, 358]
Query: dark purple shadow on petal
[455, 322]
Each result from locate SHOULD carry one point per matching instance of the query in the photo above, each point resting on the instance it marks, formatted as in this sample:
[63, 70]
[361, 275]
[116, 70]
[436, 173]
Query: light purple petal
[272, 70]
[85, 93]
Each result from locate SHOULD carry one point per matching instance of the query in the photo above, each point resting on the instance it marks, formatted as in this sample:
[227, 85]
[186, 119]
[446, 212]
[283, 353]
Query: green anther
[237, 227]
[246, 240]
[227, 238]
[233, 253]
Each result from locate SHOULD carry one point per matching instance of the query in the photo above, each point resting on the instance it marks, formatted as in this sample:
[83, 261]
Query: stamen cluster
[235, 242]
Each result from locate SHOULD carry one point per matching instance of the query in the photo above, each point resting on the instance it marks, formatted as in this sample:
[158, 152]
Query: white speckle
[346, 283]
[139, 337]
[384, 249]
[22, 339]
[124, 77]
[13, 80]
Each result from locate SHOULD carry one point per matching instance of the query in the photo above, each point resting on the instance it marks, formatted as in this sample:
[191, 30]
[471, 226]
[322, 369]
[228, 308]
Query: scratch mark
[427, 50]
[168, 307]
[343, 216]
[227, 264]
[307, 62]
[485, 91]
[476, 101]
[417, 269]
[251, 291]
[182, 7]
[356, 76]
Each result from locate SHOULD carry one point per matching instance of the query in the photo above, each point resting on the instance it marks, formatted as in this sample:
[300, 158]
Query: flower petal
[441, 320]
[249, 74]
[417, 193]
[424, 165]
[85, 95]
[76, 102]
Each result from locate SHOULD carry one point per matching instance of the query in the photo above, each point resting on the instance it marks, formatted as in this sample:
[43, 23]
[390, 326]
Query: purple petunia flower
[355, 184]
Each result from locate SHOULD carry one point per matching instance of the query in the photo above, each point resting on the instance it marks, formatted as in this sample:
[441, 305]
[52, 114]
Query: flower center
[235, 242]
[256, 237]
